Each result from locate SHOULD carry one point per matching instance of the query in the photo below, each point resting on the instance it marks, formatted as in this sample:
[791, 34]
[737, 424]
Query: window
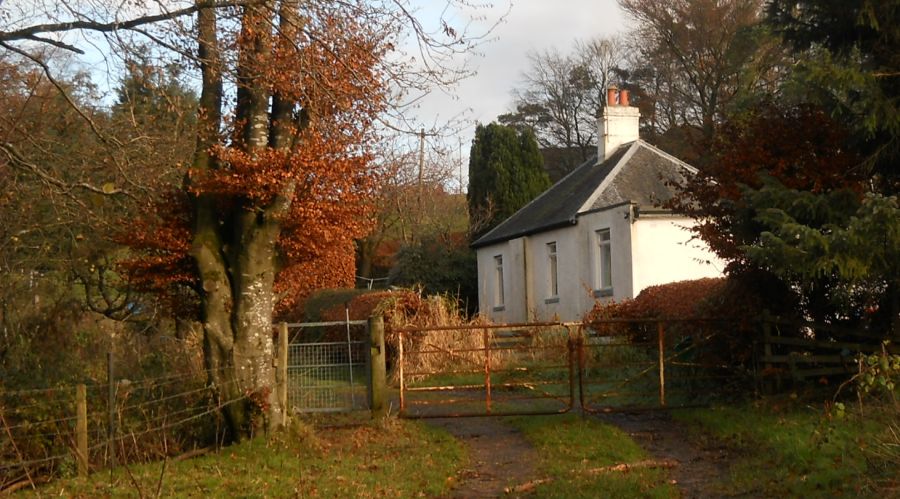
[553, 271]
[603, 272]
[498, 282]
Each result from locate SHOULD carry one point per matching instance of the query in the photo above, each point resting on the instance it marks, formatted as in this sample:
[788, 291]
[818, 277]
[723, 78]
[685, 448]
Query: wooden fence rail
[810, 357]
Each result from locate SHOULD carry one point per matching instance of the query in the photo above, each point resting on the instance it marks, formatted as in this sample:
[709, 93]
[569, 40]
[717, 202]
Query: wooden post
[350, 356]
[281, 374]
[111, 411]
[400, 372]
[767, 352]
[378, 372]
[81, 429]
[570, 344]
[487, 369]
[662, 363]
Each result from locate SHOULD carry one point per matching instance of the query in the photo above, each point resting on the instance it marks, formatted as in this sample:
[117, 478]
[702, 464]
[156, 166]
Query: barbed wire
[166, 426]
[162, 417]
[32, 462]
[94, 386]
[4, 391]
[131, 435]
[67, 421]
[176, 377]
[43, 422]
[174, 396]
[16, 409]
[93, 416]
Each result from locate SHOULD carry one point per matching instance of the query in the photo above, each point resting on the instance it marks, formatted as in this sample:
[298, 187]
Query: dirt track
[702, 463]
[501, 457]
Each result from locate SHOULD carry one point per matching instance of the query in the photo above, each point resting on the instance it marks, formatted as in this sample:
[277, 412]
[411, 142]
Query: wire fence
[145, 419]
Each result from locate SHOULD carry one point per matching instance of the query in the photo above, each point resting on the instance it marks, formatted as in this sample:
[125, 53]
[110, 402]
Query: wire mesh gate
[546, 368]
[328, 367]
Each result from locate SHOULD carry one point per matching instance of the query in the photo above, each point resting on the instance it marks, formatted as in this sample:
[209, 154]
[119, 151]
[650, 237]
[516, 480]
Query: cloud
[532, 25]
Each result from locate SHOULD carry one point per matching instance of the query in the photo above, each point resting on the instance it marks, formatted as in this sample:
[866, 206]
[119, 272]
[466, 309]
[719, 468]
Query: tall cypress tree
[506, 171]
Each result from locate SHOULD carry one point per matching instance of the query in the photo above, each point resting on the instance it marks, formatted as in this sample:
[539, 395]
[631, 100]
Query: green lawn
[398, 459]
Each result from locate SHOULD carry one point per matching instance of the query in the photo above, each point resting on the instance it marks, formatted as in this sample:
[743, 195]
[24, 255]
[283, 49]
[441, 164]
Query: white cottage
[598, 233]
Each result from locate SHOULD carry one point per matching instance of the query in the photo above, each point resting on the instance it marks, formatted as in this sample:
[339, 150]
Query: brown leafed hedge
[727, 312]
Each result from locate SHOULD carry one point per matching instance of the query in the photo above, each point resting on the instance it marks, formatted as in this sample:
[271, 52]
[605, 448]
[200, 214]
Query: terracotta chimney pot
[623, 97]
[611, 93]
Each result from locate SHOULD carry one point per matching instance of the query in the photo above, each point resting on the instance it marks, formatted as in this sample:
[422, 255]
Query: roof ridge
[590, 162]
[653, 148]
[557, 206]
[604, 184]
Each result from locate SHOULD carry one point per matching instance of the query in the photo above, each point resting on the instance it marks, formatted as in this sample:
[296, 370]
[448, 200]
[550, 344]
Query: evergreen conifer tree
[506, 171]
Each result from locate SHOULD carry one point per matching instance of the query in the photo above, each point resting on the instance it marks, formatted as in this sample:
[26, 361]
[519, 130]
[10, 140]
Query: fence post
[662, 363]
[281, 373]
[768, 385]
[81, 429]
[487, 369]
[378, 372]
[111, 407]
[402, 378]
[350, 356]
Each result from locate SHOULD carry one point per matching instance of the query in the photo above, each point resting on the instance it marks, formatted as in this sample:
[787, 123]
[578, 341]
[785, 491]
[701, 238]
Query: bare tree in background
[694, 59]
[606, 61]
[561, 98]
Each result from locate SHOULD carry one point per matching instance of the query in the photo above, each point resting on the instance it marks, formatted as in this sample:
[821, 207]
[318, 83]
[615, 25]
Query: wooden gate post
[281, 374]
[661, 336]
[81, 429]
[486, 337]
[378, 374]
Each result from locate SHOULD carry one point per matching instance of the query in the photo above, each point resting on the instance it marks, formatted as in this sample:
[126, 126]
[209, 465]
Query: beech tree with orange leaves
[282, 172]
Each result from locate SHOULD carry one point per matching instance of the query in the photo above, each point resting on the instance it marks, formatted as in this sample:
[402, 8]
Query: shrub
[726, 311]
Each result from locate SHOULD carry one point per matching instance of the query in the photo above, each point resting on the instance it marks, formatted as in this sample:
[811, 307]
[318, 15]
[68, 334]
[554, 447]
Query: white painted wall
[664, 252]
[514, 281]
[618, 220]
[648, 251]
[571, 278]
[527, 296]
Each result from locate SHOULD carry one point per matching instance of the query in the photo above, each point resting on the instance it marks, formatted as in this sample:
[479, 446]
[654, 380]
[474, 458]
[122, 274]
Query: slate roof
[636, 173]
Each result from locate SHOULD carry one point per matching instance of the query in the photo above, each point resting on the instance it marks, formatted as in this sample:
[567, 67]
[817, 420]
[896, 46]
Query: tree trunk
[234, 249]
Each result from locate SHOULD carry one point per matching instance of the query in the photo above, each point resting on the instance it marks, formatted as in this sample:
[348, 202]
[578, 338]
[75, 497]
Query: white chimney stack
[618, 124]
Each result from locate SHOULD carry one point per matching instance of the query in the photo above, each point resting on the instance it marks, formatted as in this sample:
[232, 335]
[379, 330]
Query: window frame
[603, 268]
[552, 249]
[499, 294]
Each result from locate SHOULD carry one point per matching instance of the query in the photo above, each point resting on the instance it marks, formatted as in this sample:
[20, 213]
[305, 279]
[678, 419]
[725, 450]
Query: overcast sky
[531, 25]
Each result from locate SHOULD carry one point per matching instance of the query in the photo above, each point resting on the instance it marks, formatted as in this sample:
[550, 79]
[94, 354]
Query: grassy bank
[400, 459]
[573, 452]
[786, 448]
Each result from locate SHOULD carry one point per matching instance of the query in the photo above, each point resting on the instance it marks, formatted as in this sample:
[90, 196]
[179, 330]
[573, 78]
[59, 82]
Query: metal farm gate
[328, 367]
[552, 368]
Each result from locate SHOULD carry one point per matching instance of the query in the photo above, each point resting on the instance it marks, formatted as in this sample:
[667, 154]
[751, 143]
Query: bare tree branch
[16, 160]
[103, 137]
[30, 32]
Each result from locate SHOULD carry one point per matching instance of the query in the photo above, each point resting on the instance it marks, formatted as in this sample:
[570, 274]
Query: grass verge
[397, 459]
[785, 448]
[572, 450]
